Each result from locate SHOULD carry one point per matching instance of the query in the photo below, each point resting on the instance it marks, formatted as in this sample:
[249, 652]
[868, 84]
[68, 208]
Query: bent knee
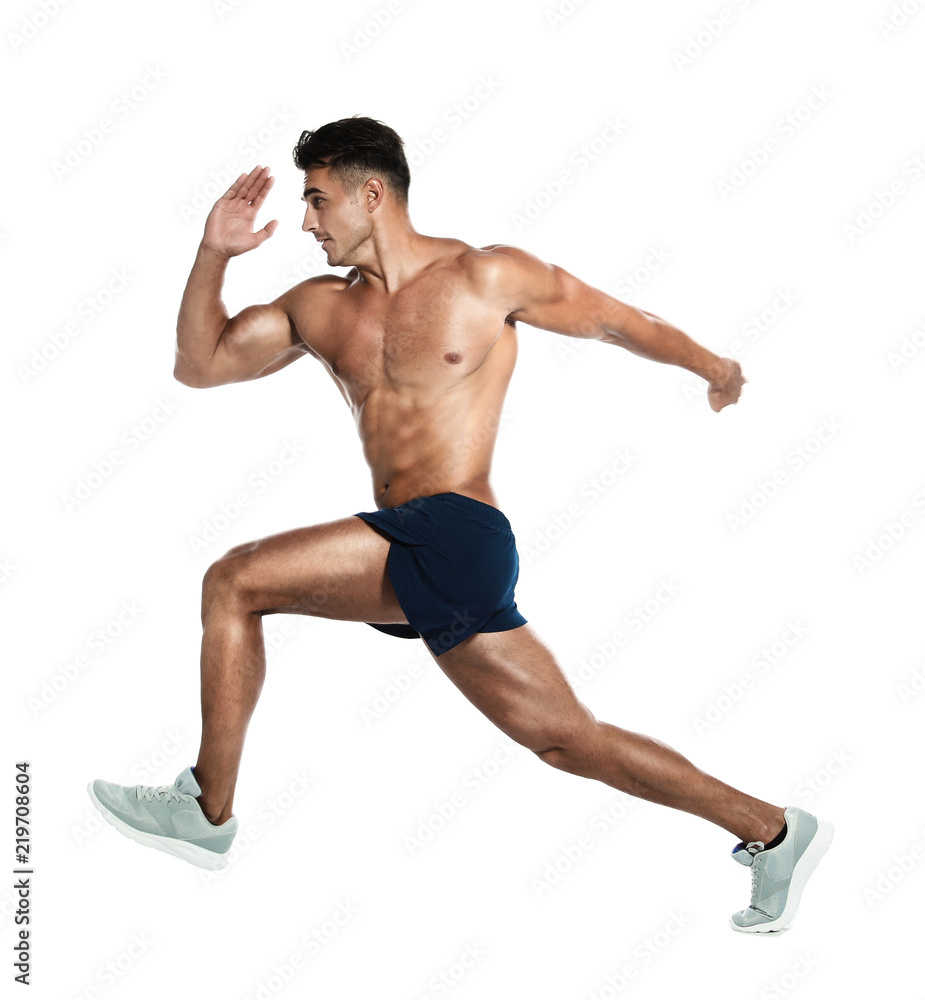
[558, 744]
[556, 757]
[245, 548]
[229, 574]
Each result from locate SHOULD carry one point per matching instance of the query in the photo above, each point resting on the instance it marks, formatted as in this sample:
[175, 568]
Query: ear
[373, 194]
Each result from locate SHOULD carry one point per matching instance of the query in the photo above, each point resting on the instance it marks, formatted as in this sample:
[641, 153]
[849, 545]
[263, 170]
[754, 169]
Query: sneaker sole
[198, 856]
[801, 872]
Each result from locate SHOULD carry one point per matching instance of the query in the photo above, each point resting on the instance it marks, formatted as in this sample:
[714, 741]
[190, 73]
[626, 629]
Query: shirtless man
[420, 338]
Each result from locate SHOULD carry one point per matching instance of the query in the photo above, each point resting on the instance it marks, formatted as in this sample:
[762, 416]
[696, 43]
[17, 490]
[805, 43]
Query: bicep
[550, 298]
[258, 341]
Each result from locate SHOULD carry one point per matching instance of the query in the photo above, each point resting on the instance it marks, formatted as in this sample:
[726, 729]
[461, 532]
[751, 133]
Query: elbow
[195, 380]
[191, 375]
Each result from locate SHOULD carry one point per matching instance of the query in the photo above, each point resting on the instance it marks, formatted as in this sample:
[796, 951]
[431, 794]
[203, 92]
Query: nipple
[452, 357]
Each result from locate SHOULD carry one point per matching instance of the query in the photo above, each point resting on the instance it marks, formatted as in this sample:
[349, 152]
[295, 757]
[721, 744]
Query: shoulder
[314, 293]
[308, 306]
[316, 289]
[534, 291]
[512, 277]
[504, 269]
[500, 258]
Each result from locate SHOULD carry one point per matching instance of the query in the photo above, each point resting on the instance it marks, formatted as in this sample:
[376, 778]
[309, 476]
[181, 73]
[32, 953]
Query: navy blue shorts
[453, 563]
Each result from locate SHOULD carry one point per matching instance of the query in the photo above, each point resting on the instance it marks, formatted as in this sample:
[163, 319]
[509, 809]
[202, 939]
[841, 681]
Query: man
[420, 338]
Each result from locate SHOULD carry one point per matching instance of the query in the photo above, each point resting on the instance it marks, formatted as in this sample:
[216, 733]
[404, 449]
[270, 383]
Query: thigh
[336, 569]
[514, 679]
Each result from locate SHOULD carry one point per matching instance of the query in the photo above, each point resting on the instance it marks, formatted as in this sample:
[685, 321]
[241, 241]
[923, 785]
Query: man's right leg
[331, 570]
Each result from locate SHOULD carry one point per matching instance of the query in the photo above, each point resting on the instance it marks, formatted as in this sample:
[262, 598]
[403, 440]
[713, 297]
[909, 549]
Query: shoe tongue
[187, 784]
[745, 854]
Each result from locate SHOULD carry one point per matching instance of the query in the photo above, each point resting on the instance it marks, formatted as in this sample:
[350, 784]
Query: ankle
[766, 828]
[215, 813]
[215, 806]
[217, 819]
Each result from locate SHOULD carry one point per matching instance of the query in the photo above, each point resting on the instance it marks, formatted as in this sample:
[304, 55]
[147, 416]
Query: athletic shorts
[453, 563]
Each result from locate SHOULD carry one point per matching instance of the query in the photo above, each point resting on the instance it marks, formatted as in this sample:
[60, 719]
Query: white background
[828, 558]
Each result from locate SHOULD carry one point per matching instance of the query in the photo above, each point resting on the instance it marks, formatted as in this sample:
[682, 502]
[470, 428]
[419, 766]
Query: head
[354, 170]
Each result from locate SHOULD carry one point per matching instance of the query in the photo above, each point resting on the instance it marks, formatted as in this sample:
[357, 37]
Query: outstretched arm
[547, 296]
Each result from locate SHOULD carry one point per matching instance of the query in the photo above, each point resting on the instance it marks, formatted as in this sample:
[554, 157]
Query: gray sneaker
[168, 818]
[779, 874]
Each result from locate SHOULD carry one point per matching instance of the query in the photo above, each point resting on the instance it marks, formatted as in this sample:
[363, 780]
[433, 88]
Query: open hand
[229, 227]
[726, 388]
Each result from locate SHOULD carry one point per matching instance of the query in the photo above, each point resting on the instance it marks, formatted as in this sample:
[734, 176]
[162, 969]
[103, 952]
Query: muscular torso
[424, 370]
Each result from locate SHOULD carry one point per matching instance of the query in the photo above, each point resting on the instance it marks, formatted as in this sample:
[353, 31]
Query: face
[331, 216]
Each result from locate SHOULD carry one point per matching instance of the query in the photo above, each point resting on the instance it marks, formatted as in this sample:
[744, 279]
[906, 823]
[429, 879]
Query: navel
[452, 357]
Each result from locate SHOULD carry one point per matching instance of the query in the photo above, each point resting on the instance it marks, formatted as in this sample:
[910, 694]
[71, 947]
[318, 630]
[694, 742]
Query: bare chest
[433, 335]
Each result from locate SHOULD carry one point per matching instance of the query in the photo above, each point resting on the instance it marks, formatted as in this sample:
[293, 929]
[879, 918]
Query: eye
[318, 201]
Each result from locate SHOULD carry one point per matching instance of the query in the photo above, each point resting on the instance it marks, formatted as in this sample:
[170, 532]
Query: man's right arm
[213, 349]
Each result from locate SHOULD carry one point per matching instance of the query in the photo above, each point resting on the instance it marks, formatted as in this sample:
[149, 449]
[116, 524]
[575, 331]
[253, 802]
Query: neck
[393, 255]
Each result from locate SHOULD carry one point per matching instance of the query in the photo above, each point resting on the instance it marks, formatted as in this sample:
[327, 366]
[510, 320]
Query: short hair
[356, 148]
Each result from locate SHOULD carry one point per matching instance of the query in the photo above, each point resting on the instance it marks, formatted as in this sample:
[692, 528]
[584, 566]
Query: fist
[726, 387]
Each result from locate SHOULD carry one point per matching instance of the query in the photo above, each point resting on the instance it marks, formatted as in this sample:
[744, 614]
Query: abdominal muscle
[418, 443]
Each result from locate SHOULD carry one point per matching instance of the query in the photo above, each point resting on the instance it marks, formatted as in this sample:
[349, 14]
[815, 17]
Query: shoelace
[153, 794]
[751, 905]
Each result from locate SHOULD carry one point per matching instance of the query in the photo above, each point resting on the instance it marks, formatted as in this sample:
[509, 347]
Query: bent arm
[213, 349]
[547, 296]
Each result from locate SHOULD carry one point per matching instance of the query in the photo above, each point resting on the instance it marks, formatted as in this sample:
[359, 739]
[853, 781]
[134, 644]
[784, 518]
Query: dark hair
[355, 149]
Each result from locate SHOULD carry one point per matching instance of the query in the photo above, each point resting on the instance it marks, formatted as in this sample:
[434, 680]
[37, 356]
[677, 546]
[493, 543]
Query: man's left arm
[547, 296]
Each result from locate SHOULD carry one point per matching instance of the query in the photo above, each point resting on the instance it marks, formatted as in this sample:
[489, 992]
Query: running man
[420, 337]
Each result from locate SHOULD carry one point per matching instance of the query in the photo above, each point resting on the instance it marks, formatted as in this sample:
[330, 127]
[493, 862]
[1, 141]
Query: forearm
[202, 316]
[653, 338]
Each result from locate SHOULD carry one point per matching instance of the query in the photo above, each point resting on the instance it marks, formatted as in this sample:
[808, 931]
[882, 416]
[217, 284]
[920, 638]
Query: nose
[308, 224]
